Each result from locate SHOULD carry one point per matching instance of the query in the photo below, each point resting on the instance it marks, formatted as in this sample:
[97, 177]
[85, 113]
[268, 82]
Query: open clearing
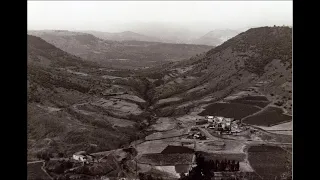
[167, 134]
[168, 169]
[229, 110]
[269, 161]
[118, 106]
[268, 117]
[168, 100]
[164, 124]
[130, 97]
[111, 77]
[284, 128]
[151, 147]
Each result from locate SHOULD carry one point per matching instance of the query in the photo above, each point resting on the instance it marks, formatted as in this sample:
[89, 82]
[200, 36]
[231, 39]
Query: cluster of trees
[205, 169]
[224, 165]
[44, 155]
[143, 176]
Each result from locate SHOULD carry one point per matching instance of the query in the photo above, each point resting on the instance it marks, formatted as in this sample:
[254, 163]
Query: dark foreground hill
[258, 57]
[70, 103]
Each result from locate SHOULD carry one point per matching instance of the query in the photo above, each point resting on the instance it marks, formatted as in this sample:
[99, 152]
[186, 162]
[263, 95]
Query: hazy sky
[116, 16]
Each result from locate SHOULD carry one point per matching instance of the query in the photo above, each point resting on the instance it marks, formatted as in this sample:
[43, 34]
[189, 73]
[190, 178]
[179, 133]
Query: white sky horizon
[119, 16]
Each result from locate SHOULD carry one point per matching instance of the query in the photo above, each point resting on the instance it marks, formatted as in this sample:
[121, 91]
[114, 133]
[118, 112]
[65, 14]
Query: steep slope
[75, 105]
[258, 56]
[44, 54]
[122, 36]
[80, 107]
[216, 37]
[126, 54]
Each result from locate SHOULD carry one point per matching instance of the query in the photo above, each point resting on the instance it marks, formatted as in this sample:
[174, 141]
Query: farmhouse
[82, 156]
[210, 119]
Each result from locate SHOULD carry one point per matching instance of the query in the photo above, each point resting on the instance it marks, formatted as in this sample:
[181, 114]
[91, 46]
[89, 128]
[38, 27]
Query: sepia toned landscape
[128, 105]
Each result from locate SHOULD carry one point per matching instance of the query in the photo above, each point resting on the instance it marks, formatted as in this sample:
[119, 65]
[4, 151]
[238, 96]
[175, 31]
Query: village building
[82, 156]
[210, 119]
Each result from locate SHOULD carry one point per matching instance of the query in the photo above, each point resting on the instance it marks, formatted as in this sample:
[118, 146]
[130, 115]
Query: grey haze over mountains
[122, 36]
[125, 53]
[216, 37]
[181, 36]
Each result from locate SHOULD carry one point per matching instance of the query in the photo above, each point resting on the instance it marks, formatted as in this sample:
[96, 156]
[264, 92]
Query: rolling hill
[122, 36]
[78, 106]
[125, 55]
[258, 57]
[68, 101]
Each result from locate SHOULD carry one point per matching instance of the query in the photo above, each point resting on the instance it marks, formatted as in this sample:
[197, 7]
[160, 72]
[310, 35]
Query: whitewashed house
[82, 156]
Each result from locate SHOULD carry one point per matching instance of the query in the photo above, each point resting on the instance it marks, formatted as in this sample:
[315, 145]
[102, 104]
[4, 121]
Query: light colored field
[231, 147]
[245, 167]
[119, 122]
[118, 106]
[277, 128]
[168, 169]
[156, 146]
[111, 77]
[167, 134]
[131, 97]
[168, 100]
[188, 118]
[164, 124]
[144, 167]
[77, 73]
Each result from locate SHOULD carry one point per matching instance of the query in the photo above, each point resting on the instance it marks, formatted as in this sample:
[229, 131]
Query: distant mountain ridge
[119, 54]
[216, 37]
[123, 36]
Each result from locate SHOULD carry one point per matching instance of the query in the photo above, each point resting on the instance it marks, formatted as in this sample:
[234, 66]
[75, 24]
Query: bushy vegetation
[205, 170]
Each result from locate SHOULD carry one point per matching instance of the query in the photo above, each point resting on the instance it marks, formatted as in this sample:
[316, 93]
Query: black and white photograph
[159, 90]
